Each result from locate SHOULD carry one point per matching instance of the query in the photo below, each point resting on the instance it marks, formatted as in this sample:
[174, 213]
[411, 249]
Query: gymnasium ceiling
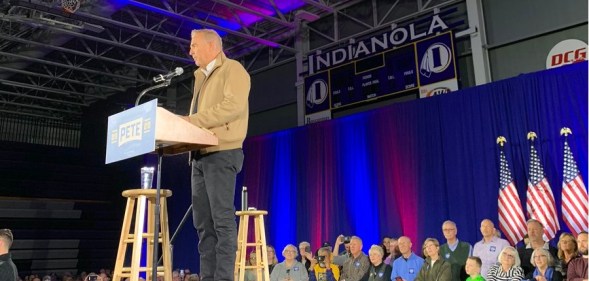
[55, 63]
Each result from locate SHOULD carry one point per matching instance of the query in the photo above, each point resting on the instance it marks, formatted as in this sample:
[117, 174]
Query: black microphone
[163, 77]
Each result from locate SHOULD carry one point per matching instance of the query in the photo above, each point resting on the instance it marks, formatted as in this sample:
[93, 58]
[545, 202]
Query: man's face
[487, 228]
[200, 49]
[582, 243]
[535, 231]
[3, 247]
[355, 247]
[449, 231]
[404, 245]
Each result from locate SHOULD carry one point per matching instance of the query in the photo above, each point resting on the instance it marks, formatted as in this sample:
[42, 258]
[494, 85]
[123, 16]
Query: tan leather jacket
[222, 103]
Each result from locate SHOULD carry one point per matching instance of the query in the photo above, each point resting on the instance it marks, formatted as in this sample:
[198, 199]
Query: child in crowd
[473, 269]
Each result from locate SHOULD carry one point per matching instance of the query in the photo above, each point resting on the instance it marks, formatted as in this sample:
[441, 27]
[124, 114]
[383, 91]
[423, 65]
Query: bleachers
[64, 207]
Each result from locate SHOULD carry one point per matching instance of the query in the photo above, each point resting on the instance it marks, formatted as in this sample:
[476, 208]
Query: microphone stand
[164, 84]
[160, 153]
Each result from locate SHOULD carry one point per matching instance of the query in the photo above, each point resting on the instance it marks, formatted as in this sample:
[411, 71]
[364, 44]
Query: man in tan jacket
[219, 104]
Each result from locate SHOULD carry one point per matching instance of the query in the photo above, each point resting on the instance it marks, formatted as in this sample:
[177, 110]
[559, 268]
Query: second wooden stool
[259, 245]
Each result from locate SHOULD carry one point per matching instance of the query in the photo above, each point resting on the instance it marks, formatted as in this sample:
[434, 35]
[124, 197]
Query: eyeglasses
[540, 256]
[290, 251]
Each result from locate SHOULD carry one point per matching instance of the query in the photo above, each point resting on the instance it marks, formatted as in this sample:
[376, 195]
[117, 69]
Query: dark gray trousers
[213, 211]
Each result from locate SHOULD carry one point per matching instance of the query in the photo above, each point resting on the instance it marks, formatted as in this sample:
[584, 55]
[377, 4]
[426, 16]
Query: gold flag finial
[532, 135]
[565, 131]
[501, 140]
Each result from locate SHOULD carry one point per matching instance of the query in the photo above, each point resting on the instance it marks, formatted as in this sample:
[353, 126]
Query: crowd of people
[492, 258]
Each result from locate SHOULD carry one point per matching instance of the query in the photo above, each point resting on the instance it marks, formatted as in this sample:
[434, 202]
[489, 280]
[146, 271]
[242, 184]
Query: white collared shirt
[207, 70]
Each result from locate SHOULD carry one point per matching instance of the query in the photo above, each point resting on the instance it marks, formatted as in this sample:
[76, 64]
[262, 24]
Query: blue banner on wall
[436, 59]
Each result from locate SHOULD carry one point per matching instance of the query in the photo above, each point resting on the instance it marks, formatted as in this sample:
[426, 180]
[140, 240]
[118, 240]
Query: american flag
[574, 195]
[511, 215]
[540, 203]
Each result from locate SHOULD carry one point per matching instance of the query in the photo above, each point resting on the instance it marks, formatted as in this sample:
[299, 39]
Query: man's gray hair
[209, 35]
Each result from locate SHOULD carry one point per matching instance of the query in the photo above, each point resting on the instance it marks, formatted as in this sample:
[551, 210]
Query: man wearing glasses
[454, 251]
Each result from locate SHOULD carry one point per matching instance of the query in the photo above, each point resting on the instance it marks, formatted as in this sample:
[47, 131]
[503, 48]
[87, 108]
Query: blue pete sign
[131, 133]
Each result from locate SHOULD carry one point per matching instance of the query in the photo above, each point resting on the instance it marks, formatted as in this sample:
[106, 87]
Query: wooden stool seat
[259, 245]
[139, 198]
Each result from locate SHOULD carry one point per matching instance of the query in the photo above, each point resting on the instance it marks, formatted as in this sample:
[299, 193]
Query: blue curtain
[406, 168]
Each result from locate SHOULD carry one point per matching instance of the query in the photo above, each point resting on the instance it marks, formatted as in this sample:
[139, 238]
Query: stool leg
[139, 224]
[261, 238]
[240, 248]
[124, 235]
[259, 263]
[167, 255]
[150, 241]
[243, 253]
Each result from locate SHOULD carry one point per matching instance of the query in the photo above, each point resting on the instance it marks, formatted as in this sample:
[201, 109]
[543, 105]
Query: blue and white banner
[436, 59]
[131, 133]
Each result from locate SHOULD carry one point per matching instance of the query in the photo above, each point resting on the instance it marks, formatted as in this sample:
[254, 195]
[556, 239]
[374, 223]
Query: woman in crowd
[508, 268]
[321, 267]
[306, 254]
[378, 271]
[385, 245]
[250, 273]
[290, 269]
[567, 250]
[393, 251]
[272, 260]
[434, 268]
[544, 263]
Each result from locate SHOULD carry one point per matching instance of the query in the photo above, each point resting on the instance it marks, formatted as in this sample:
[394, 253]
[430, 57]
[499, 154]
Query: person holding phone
[321, 267]
[340, 258]
[357, 264]
[306, 256]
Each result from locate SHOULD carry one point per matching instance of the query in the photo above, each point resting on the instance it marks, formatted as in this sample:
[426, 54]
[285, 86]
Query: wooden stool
[259, 245]
[136, 238]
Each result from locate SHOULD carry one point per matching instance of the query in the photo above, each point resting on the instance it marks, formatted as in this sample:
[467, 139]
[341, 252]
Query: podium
[145, 129]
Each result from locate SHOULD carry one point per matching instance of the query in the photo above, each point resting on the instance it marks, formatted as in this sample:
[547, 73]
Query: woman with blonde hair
[567, 251]
[544, 269]
[508, 268]
[378, 270]
[272, 260]
[434, 268]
